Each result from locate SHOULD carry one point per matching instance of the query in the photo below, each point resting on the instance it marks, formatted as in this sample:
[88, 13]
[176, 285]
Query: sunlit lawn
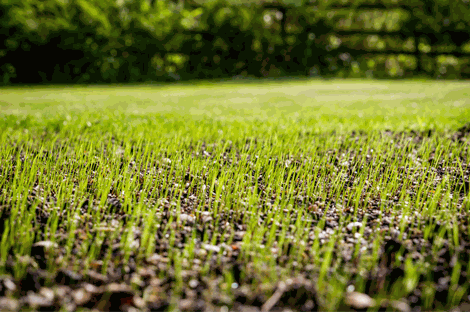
[295, 193]
[320, 104]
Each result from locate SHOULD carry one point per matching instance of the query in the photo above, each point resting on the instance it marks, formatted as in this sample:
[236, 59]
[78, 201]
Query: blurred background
[117, 41]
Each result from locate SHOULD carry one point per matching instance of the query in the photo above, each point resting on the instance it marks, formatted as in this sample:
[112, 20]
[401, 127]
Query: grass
[299, 194]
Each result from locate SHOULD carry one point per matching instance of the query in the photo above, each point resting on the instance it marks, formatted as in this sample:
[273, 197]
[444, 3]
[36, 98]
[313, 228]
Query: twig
[268, 305]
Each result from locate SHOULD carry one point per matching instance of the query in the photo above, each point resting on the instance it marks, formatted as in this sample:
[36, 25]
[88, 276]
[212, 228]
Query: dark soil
[152, 283]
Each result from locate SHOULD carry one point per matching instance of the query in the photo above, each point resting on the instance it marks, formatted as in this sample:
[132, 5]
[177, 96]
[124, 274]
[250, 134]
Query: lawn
[237, 195]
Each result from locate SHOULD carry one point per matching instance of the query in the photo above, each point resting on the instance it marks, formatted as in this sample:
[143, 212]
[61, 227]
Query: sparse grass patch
[303, 195]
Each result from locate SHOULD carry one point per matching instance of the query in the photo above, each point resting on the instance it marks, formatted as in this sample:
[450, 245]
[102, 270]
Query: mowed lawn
[318, 104]
[262, 195]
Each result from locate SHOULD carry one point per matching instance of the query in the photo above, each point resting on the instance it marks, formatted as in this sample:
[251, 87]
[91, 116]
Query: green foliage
[86, 41]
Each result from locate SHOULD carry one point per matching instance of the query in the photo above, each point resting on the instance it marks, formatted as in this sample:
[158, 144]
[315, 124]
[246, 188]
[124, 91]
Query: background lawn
[316, 104]
[300, 194]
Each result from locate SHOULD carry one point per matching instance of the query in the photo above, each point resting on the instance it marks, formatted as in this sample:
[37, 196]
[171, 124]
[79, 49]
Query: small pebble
[401, 306]
[35, 301]
[187, 218]
[81, 296]
[47, 293]
[9, 284]
[9, 304]
[211, 247]
[201, 252]
[352, 225]
[45, 244]
[359, 300]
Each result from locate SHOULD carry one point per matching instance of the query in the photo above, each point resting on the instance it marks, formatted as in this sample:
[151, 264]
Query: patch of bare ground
[375, 244]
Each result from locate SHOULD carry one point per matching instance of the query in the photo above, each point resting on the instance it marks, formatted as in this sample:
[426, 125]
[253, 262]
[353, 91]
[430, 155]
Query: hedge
[101, 41]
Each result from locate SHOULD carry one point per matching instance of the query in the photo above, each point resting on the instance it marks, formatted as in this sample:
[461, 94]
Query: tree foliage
[88, 41]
